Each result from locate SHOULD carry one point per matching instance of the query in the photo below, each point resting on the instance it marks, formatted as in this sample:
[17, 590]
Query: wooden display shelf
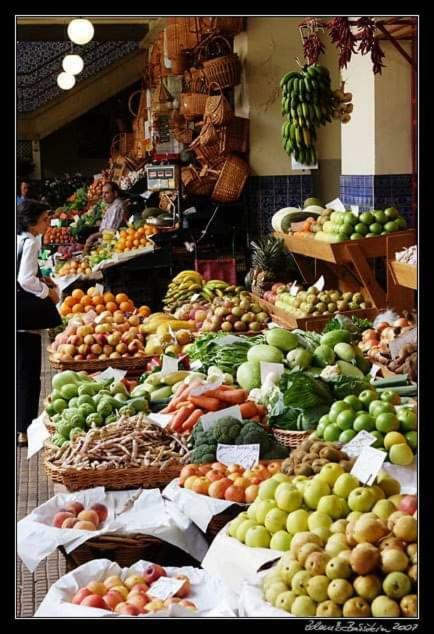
[317, 323]
[405, 274]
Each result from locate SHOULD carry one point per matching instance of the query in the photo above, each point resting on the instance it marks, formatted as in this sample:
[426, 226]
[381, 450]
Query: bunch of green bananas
[308, 102]
[218, 288]
[182, 288]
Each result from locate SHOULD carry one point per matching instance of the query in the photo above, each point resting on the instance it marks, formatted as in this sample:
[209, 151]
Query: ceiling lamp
[80, 31]
[72, 64]
[65, 81]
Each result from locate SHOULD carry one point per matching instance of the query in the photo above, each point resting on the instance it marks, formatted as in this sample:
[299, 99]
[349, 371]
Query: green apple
[379, 442]
[303, 607]
[314, 491]
[361, 499]
[378, 492]
[401, 454]
[354, 402]
[411, 439]
[393, 438]
[323, 533]
[267, 488]
[299, 582]
[258, 537]
[331, 433]
[407, 418]
[367, 396]
[381, 407]
[390, 396]
[366, 217]
[384, 508]
[336, 409]
[287, 568]
[243, 528]
[288, 498]
[336, 543]
[339, 526]
[364, 421]
[396, 500]
[338, 568]
[344, 420]
[285, 600]
[317, 588]
[391, 226]
[396, 585]
[234, 525]
[251, 512]
[297, 521]
[383, 607]
[386, 422]
[355, 236]
[346, 436]
[376, 403]
[324, 420]
[275, 520]
[391, 213]
[402, 223]
[331, 505]
[273, 591]
[317, 519]
[262, 508]
[281, 477]
[361, 228]
[281, 540]
[345, 484]
[375, 228]
[330, 472]
[354, 516]
[368, 586]
[389, 485]
[380, 216]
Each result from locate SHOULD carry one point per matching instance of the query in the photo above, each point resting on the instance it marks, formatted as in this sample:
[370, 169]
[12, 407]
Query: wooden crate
[405, 274]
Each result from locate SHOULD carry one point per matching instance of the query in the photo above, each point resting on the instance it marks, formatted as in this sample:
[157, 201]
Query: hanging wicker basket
[193, 99]
[219, 63]
[231, 180]
[217, 108]
[197, 184]
[228, 25]
[181, 34]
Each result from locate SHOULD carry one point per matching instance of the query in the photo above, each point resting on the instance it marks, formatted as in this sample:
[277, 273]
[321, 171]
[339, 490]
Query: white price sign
[209, 420]
[112, 373]
[196, 365]
[335, 204]
[355, 209]
[268, 368]
[205, 387]
[165, 587]
[99, 289]
[245, 455]
[375, 370]
[319, 284]
[170, 364]
[162, 420]
[356, 445]
[294, 288]
[55, 222]
[368, 465]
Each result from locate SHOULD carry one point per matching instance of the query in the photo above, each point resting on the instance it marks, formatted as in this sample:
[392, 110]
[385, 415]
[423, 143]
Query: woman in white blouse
[32, 223]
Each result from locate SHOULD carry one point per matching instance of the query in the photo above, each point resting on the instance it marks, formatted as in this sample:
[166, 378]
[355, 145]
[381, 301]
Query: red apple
[74, 507]
[139, 587]
[408, 504]
[153, 572]
[112, 599]
[138, 600]
[80, 595]
[69, 522]
[60, 517]
[94, 601]
[100, 510]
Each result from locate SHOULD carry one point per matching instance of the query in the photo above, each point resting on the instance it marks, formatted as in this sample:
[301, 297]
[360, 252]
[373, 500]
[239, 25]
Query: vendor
[24, 192]
[115, 215]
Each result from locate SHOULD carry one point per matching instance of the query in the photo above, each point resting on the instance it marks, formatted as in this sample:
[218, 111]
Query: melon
[312, 201]
[314, 209]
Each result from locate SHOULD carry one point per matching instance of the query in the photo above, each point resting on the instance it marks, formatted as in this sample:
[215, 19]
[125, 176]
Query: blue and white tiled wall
[379, 192]
[264, 195]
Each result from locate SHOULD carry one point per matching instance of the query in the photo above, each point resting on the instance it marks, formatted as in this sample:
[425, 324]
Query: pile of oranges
[81, 302]
[131, 239]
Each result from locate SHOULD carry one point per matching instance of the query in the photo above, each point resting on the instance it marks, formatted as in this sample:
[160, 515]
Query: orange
[86, 300]
[78, 308]
[126, 307]
[121, 297]
[88, 308]
[111, 306]
[70, 301]
[144, 311]
[64, 310]
[136, 243]
[129, 245]
[91, 291]
[78, 293]
[97, 299]
[109, 297]
[143, 242]
[100, 308]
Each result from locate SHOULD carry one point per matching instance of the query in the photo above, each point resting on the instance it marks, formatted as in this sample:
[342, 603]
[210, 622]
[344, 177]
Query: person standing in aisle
[35, 310]
[24, 192]
[115, 215]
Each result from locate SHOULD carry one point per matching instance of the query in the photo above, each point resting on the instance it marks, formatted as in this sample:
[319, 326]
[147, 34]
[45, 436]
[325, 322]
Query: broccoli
[276, 452]
[203, 454]
[226, 430]
[252, 433]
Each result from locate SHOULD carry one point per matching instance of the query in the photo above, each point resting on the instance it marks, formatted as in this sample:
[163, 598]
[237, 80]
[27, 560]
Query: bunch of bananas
[218, 288]
[182, 288]
[308, 102]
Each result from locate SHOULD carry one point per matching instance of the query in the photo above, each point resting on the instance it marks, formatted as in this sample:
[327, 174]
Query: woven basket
[180, 63]
[208, 154]
[92, 366]
[219, 521]
[180, 35]
[225, 24]
[217, 108]
[231, 181]
[219, 63]
[290, 438]
[235, 136]
[112, 479]
[192, 102]
[195, 184]
[122, 144]
[126, 550]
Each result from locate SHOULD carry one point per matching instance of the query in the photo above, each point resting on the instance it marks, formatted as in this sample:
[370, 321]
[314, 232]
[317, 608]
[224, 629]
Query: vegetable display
[227, 357]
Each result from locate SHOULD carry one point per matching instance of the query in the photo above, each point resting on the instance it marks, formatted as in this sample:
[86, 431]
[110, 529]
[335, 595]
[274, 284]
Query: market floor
[33, 489]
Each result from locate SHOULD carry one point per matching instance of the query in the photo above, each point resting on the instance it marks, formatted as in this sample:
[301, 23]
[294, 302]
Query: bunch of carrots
[187, 409]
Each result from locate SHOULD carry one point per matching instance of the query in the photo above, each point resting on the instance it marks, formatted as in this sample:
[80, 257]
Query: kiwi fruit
[347, 464]
[304, 469]
[330, 453]
[305, 445]
[318, 464]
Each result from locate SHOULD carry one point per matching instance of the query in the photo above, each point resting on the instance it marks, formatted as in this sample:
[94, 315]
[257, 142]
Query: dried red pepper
[341, 35]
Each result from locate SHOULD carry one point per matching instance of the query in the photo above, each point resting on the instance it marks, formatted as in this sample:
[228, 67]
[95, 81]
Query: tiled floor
[33, 489]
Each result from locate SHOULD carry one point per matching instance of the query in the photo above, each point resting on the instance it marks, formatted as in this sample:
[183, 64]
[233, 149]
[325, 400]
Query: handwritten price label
[245, 455]
[319, 284]
[165, 588]
[268, 368]
[170, 364]
[368, 464]
[209, 420]
[355, 446]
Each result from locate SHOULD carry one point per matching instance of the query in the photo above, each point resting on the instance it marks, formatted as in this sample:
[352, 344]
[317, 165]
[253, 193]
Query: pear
[284, 600]
[393, 518]
[316, 563]
[338, 568]
[303, 538]
[412, 553]
[412, 573]
[406, 528]
[409, 605]
[306, 550]
[339, 526]
[328, 609]
[357, 607]
[391, 542]
[394, 560]
[369, 530]
[368, 586]
[317, 588]
[365, 558]
[382, 606]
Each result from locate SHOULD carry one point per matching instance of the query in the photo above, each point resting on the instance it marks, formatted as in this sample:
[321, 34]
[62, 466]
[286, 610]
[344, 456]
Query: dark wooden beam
[397, 45]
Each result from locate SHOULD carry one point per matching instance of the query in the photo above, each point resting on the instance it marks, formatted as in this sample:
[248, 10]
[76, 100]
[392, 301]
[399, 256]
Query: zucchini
[391, 381]
[402, 390]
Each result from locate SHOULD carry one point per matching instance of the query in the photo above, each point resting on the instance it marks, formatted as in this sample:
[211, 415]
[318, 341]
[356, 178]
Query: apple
[60, 517]
[394, 560]
[284, 600]
[408, 605]
[101, 511]
[396, 585]
[127, 609]
[384, 508]
[235, 523]
[306, 550]
[393, 518]
[408, 504]
[332, 505]
[112, 599]
[405, 528]
[273, 591]
[288, 498]
[339, 526]
[339, 591]
[133, 580]
[368, 586]
[74, 507]
[281, 477]
[121, 589]
[281, 540]
[80, 595]
[314, 491]
[251, 493]
[300, 581]
[396, 500]
[335, 544]
[328, 609]
[303, 607]
[258, 537]
[243, 528]
[275, 520]
[94, 601]
[217, 489]
[234, 494]
[382, 607]
[70, 522]
[267, 489]
[201, 485]
[139, 587]
[138, 600]
[389, 485]
[263, 507]
[330, 473]
[365, 558]
[297, 521]
[316, 562]
[345, 483]
[357, 607]
[319, 519]
[317, 588]
[407, 419]
[393, 438]
[89, 516]
[401, 454]
[361, 499]
[286, 568]
[152, 573]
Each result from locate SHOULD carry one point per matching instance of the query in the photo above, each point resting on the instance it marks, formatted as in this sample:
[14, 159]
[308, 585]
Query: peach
[251, 493]
[126, 608]
[217, 489]
[89, 516]
[94, 601]
[213, 475]
[133, 580]
[112, 598]
[89, 340]
[112, 581]
[235, 494]
[69, 522]
[203, 469]
[153, 572]
[101, 511]
[201, 485]
[154, 605]
[185, 589]
[123, 591]
[97, 587]
[85, 526]
[60, 517]
[80, 595]
[74, 507]
[139, 600]
[121, 348]
[96, 348]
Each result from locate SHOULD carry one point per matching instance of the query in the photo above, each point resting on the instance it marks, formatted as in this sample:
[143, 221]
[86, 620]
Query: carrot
[192, 420]
[248, 409]
[181, 416]
[261, 409]
[205, 402]
[233, 397]
[182, 404]
[256, 419]
[180, 395]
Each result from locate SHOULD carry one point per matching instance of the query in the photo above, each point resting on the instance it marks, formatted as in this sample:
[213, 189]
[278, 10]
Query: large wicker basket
[134, 364]
[290, 439]
[228, 25]
[112, 479]
[231, 180]
[192, 102]
[126, 550]
[219, 63]
[180, 35]
[195, 184]
[220, 520]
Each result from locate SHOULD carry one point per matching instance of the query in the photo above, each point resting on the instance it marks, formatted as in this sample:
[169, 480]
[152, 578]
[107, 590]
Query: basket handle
[136, 92]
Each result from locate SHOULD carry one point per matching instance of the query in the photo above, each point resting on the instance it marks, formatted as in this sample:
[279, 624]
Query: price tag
[368, 464]
[130, 220]
[355, 209]
[162, 420]
[55, 222]
[37, 434]
[226, 341]
[319, 284]
[271, 325]
[293, 289]
[268, 368]
[375, 370]
[206, 387]
[195, 297]
[209, 420]
[335, 204]
[99, 289]
[165, 587]
[355, 446]
[170, 364]
[196, 365]
[245, 455]
[295, 165]
[112, 373]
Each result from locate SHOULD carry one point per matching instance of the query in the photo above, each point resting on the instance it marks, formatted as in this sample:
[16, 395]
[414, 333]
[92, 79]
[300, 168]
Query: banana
[298, 136]
[306, 137]
[307, 83]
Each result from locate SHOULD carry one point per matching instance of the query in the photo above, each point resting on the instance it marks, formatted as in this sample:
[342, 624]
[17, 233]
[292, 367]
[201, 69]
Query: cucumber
[391, 381]
[402, 390]
[161, 394]
[347, 369]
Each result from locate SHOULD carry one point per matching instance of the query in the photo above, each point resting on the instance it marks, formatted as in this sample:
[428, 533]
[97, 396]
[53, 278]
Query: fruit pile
[75, 515]
[310, 457]
[58, 235]
[94, 191]
[182, 288]
[75, 267]
[308, 102]
[336, 226]
[77, 403]
[315, 303]
[238, 314]
[81, 302]
[366, 567]
[394, 427]
[233, 482]
[131, 239]
[164, 333]
[134, 595]
[193, 311]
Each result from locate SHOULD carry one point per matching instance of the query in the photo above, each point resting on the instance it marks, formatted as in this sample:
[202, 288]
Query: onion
[382, 326]
[401, 323]
[369, 334]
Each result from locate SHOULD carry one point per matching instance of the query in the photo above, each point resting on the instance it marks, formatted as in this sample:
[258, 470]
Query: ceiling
[49, 29]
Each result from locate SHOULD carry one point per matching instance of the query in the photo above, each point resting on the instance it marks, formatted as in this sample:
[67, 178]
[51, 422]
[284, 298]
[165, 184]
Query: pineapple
[268, 261]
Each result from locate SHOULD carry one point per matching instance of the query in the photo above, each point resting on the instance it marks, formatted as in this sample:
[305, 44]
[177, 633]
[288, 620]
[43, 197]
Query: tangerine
[78, 293]
[109, 297]
[126, 307]
[121, 297]
[77, 308]
[97, 299]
